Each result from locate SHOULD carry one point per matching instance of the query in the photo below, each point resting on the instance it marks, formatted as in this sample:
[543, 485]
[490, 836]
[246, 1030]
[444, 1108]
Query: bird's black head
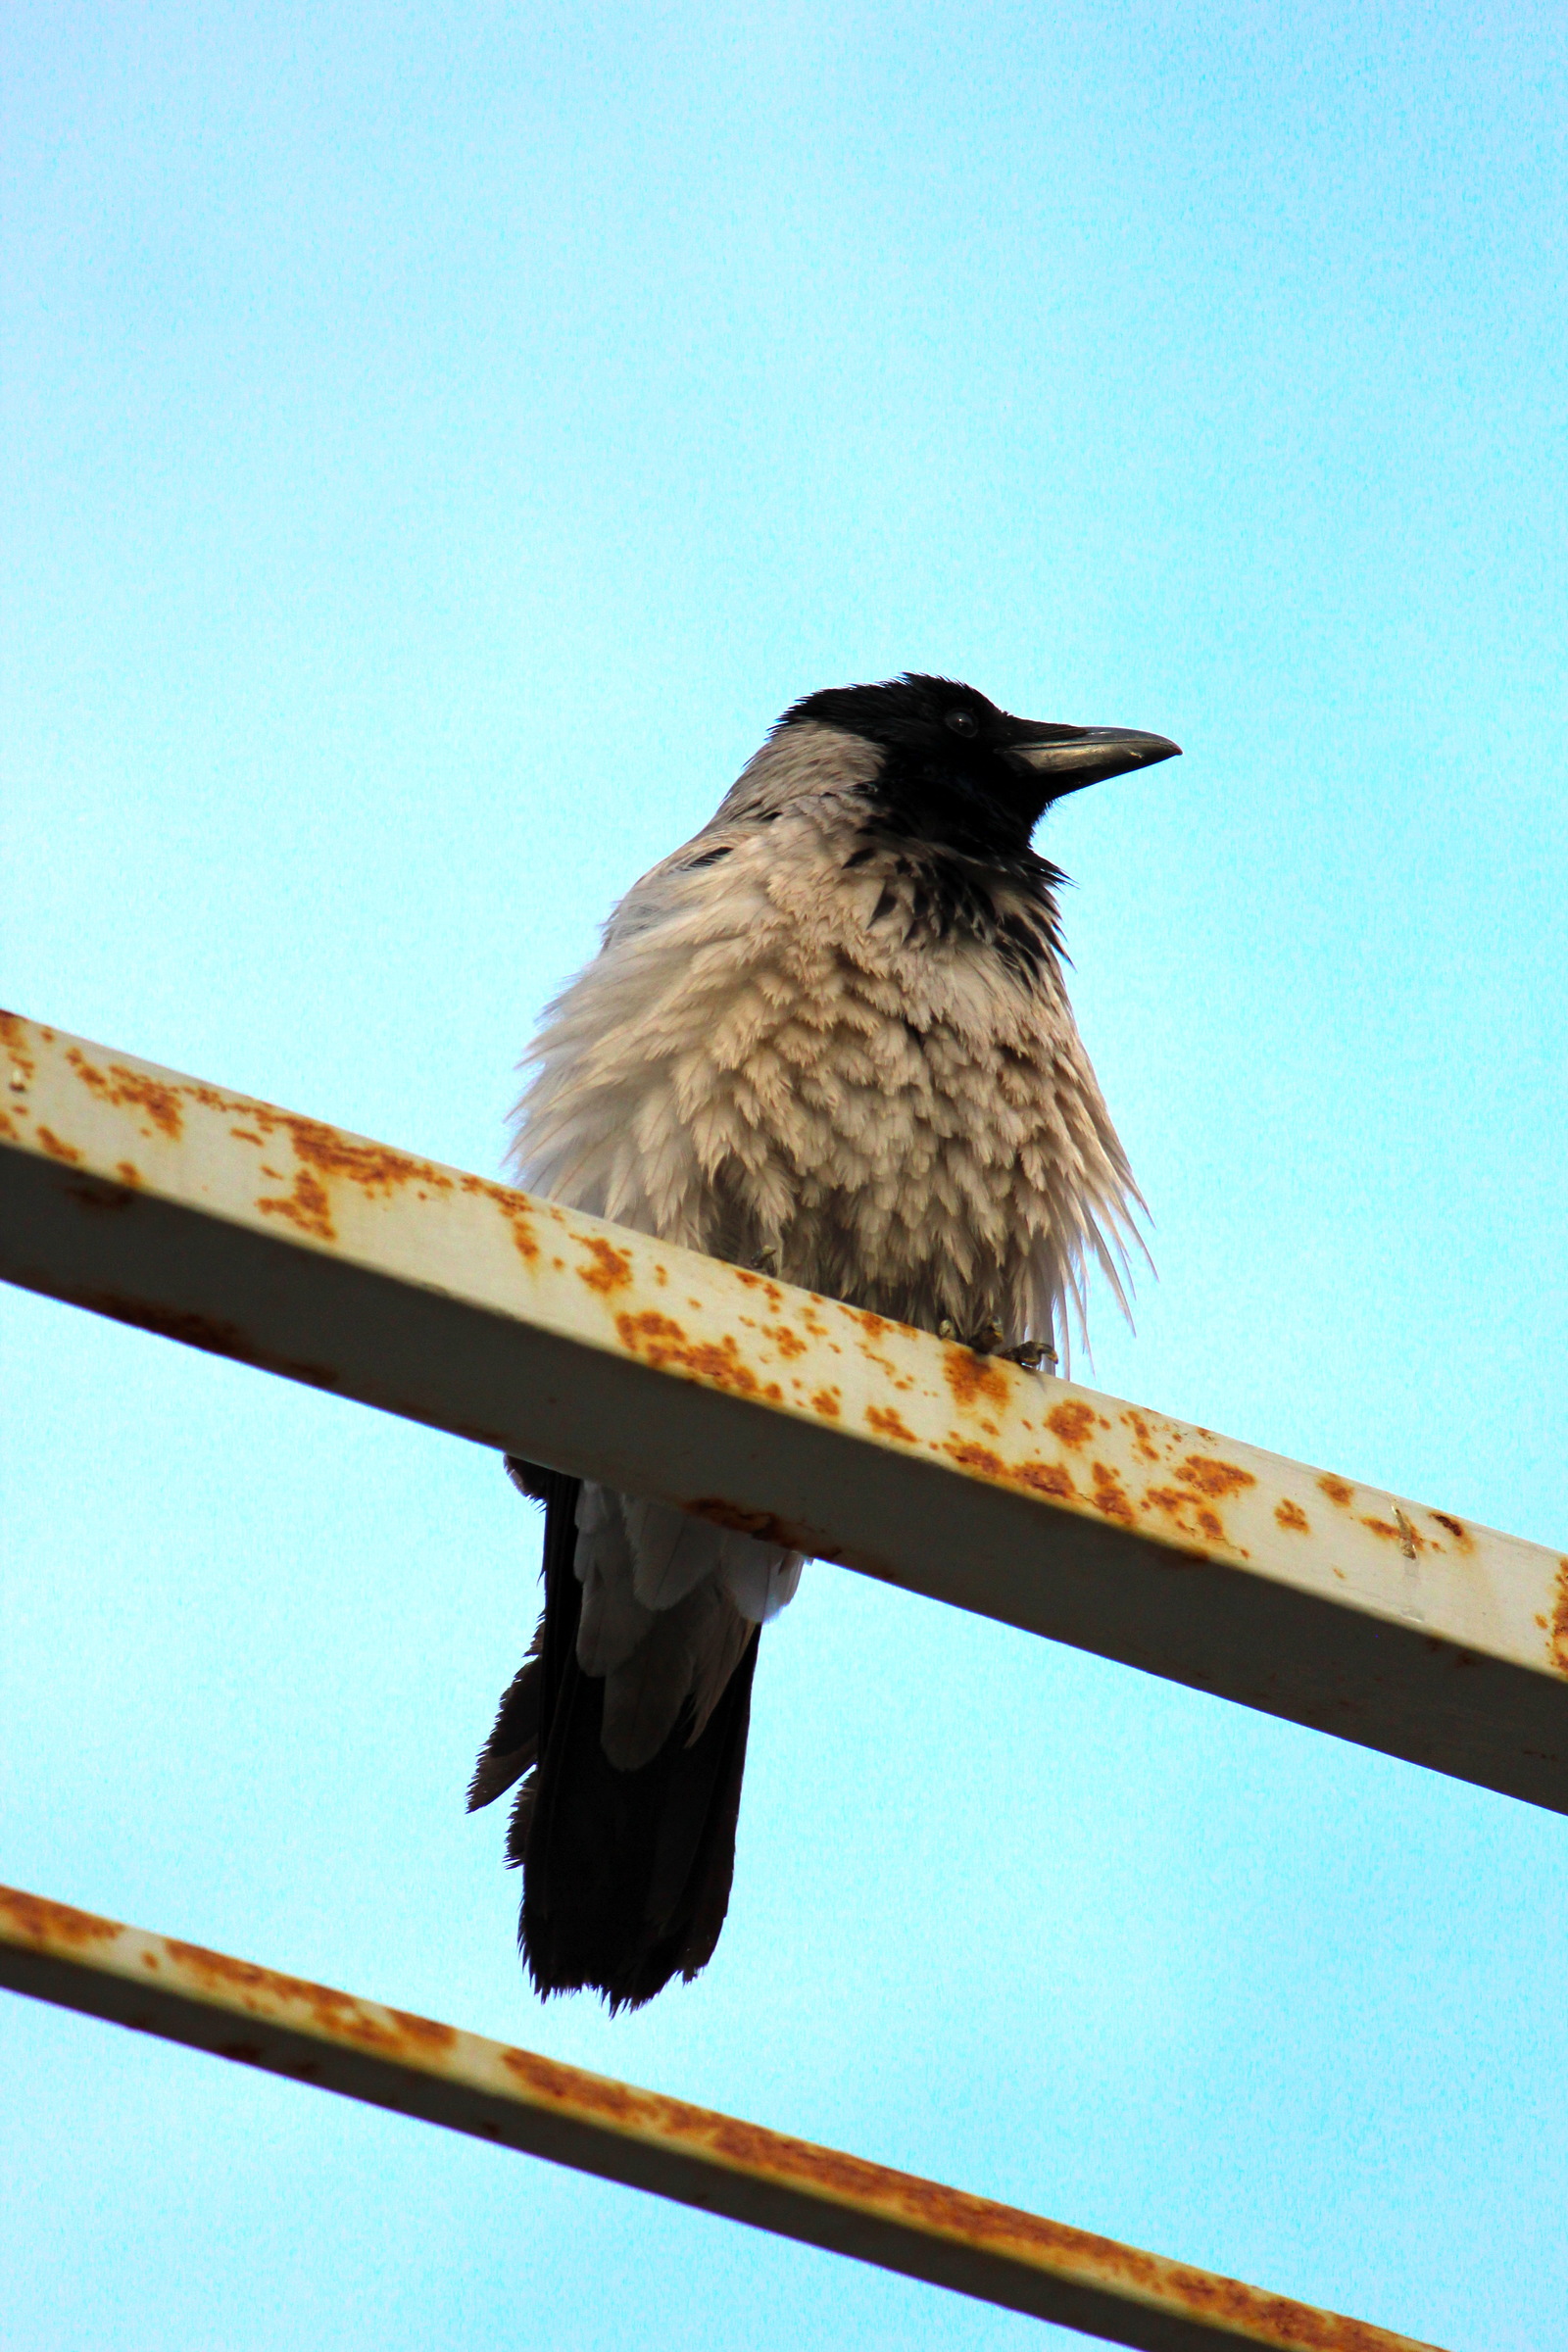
[958, 770]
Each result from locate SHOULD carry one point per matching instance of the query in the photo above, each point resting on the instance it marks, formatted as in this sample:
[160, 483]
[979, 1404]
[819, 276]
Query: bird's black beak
[1064, 759]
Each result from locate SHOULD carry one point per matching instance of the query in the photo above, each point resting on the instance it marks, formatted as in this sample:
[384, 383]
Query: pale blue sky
[439, 442]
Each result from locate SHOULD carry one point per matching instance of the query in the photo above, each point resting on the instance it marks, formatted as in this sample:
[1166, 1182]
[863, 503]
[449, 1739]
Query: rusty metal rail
[273, 1238]
[514, 2100]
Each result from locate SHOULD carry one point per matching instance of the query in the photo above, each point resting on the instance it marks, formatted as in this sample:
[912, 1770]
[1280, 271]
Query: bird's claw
[1033, 1355]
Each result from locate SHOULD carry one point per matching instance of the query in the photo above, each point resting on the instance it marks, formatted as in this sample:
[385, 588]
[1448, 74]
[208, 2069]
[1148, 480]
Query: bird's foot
[1032, 1356]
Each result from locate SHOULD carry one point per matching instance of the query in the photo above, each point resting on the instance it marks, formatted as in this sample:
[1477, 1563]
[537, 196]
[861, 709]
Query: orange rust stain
[128, 1173]
[661, 1343]
[1456, 1529]
[1212, 1478]
[202, 1331]
[1338, 1490]
[245, 1134]
[972, 1378]
[396, 2033]
[1071, 1423]
[826, 1402]
[1290, 1514]
[976, 1458]
[1393, 1532]
[1045, 1477]
[53, 1926]
[1143, 1443]
[761, 1524]
[519, 1225]
[1109, 1496]
[873, 1325]
[611, 1269]
[889, 1424]
[1558, 1647]
[124, 1088]
[6, 1129]
[1173, 1501]
[14, 1033]
[930, 2207]
[308, 1206]
[58, 1149]
[375, 1168]
[789, 1343]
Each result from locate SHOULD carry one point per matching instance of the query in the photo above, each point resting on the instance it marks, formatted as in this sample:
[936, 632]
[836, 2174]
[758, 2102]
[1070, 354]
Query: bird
[829, 1039]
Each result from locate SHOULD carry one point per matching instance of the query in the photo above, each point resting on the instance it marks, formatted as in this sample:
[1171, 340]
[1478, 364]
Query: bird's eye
[964, 722]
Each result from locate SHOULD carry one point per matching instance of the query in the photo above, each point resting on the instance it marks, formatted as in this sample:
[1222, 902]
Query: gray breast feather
[795, 1051]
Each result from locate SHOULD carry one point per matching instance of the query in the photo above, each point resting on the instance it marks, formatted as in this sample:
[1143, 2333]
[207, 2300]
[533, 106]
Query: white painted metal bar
[515, 2099]
[276, 1239]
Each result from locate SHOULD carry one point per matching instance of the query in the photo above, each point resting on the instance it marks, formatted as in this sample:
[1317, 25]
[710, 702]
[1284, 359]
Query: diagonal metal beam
[273, 1238]
[516, 2099]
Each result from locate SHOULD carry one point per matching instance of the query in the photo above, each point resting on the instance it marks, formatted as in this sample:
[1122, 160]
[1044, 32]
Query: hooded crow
[829, 1039]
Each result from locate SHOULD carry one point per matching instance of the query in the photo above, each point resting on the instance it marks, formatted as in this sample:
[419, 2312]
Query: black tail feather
[625, 1875]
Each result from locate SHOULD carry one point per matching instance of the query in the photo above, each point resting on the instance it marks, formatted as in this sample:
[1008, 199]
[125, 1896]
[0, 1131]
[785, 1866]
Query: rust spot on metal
[395, 2033]
[1397, 1529]
[308, 1206]
[516, 1211]
[890, 1424]
[873, 1325]
[128, 1173]
[1456, 1529]
[1053, 1479]
[97, 1195]
[376, 1170]
[206, 1332]
[34, 1919]
[1213, 1477]
[1175, 1501]
[661, 1343]
[123, 1088]
[1338, 1490]
[58, 1149]
[1557, 1644]
[975, 1457]
[1109, 1495]
[972, 1378]
[826, 1402]
[611, 1269]
[761, 1524]
[1071, 1422]
[1290, 1514]
[789, 1344]
[243, 1135]
[14, 1036]
[1143, 1443]
[520, 1227]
